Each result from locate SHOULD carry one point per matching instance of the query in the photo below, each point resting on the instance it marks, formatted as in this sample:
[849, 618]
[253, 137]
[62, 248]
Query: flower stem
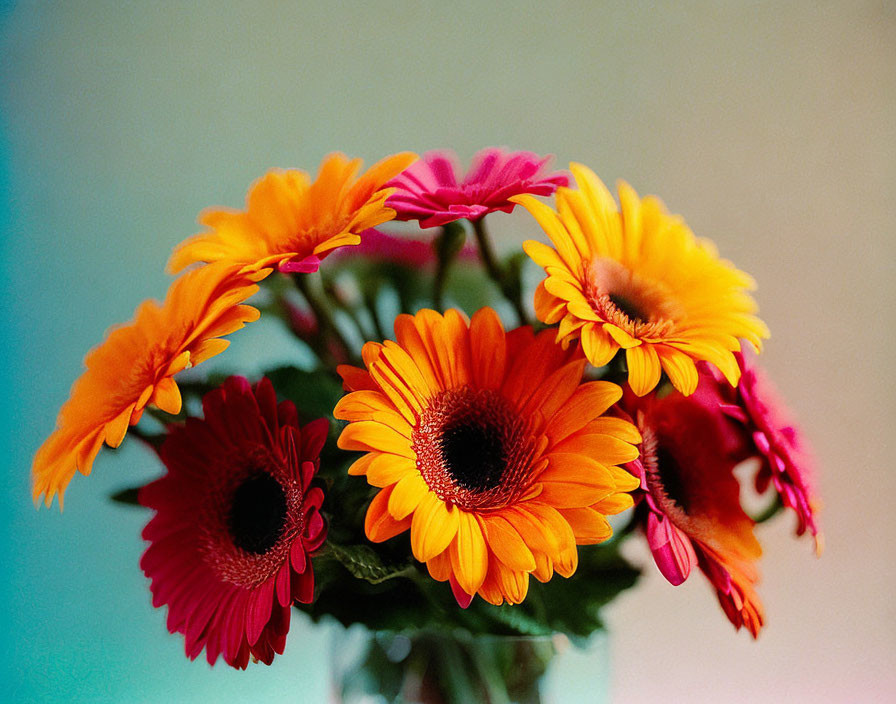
[325, 319]
[513, 293]
[446, 245]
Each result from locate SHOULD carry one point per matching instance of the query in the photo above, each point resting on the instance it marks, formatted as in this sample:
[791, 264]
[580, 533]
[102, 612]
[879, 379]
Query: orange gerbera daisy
[134, 366]
[641, 281]
[292, 223]
[488, 447]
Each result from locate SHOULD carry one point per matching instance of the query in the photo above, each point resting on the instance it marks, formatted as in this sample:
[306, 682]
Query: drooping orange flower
[134, 366]
[639, 280]
[693, 515]
[291, 223]
[488, 447]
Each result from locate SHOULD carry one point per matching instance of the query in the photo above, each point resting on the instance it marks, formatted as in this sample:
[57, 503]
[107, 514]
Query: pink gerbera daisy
[690, 506]
[431, 191]
[236, 521]
[772, 436]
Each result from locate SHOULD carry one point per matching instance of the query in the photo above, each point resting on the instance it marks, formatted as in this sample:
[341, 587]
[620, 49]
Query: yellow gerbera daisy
[488, 447]
[641, 281]
[292, 223]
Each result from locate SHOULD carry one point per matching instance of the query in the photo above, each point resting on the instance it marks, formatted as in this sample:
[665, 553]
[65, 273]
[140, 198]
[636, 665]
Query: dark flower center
[473, 454]
[473, 450]
[628, 307]
[669, 474]
[258, 513]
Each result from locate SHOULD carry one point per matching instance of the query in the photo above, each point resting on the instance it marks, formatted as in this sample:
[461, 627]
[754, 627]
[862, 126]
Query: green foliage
[314, 393]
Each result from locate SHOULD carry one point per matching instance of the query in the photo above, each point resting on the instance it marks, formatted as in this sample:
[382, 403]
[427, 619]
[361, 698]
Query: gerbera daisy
[640, 281]
[291, 223]
[488, 447]
[134, 366]
[236, 522]
[772, 435]
[430, 190]
[691, 502]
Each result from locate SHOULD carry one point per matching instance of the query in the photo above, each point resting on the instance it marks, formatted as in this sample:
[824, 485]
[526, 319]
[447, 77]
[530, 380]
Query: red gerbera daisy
[691, 501]
[236, 520]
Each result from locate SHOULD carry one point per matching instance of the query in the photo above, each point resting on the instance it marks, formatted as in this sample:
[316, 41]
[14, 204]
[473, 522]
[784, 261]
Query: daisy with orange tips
[639, 280]
[292, 223]
[690, 498]
[488, 448]
[134, 366]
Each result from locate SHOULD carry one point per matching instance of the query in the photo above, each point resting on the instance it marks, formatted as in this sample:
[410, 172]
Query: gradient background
[771, 126]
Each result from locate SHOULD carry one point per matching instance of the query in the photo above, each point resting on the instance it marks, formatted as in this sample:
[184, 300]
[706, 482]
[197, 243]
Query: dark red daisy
[236, 522]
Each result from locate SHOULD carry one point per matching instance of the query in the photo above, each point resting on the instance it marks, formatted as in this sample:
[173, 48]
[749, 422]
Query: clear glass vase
[444, 667]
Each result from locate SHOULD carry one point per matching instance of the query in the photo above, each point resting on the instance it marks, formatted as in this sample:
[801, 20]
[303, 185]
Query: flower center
[473, 450]
[641, 307]
[627, 307]
[257, 513]
[668, 472]
[473, 454]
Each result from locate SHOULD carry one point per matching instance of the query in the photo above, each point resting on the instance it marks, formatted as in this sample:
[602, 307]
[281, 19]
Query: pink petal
[308, 265]
[672, 549]
[463, 599]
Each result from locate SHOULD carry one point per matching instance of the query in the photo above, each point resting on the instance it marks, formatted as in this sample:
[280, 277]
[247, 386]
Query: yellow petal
[644, 368]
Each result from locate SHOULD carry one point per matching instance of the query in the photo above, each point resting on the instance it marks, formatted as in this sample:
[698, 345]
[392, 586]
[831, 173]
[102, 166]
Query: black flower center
[258, 513]
[473, 454]
[669, 473]
[628, 307]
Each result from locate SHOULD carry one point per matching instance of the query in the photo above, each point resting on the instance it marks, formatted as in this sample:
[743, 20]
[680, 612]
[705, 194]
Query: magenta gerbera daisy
[772, 436]
[431, 191]
[236, 522]
[690, 501]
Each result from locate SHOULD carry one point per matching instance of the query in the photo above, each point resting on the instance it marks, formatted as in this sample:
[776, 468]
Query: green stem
[496, 272]
[770, 511]
[370, 304]
[330, 290]
[325, 319]
[447, 246]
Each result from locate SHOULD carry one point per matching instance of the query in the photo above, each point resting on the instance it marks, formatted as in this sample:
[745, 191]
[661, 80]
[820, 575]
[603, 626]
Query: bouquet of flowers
[449, 467]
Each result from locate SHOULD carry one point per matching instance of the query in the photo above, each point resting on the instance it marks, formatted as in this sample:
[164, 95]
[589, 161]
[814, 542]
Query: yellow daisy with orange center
[292, 223]
[488, 447]
[636, 278]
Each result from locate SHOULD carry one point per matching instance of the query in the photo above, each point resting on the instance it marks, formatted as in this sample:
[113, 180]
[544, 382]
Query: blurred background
[770, 126]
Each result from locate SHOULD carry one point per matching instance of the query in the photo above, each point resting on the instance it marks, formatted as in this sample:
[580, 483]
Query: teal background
[770, 126]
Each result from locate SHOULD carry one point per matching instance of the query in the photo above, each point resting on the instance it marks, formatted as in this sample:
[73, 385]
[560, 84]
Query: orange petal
[589, 526]
[590, 400]
[366, 435]
[505, 542]
[166, 396]
[488, 349]
[407, 495]
[469, 557]
[433, 527]
[379, 524]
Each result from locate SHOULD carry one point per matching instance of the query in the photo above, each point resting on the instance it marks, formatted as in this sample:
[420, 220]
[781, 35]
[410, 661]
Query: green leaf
[314, 393]
[364, 563]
